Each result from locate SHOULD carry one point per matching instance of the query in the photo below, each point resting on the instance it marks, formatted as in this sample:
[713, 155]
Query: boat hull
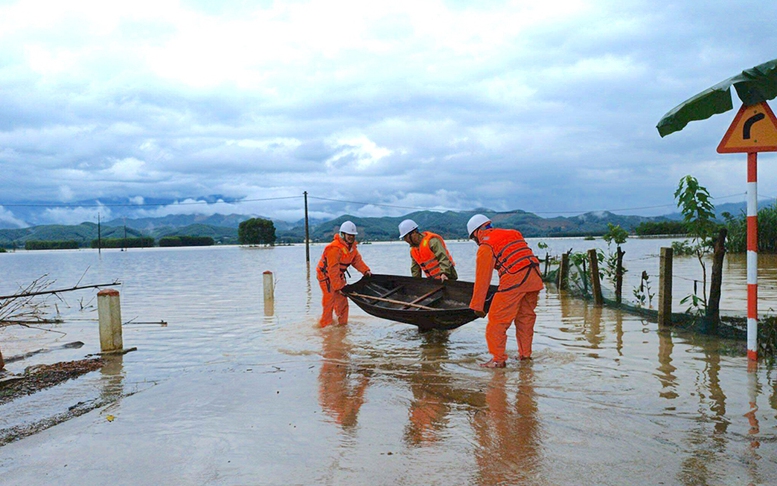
[426, 303]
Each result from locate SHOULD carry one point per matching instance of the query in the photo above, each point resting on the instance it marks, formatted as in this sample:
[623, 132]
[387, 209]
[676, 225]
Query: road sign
[754, 129]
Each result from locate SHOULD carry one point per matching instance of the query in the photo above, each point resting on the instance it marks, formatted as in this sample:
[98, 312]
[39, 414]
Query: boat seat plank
[391, 292]
[382, 291]
[425, 296]
[430, 303]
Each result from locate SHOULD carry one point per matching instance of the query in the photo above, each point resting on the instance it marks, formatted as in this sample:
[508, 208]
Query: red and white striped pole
[752, 256]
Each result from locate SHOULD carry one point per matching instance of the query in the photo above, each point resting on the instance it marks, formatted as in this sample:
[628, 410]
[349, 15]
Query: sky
[378, 108]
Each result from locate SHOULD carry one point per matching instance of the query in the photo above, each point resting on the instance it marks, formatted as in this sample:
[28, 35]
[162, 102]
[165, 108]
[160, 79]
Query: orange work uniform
[335, 260]
[429, 262]
[519, 288]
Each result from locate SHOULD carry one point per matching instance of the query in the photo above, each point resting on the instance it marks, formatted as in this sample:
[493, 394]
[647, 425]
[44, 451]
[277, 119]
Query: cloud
[7, 220]
[546, 107]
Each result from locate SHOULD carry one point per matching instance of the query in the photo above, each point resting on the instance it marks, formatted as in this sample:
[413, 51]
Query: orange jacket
[425, 257]
[506, 251]
[335, 260]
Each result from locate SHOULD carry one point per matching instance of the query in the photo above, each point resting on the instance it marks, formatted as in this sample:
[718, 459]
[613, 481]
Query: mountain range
[449, 224]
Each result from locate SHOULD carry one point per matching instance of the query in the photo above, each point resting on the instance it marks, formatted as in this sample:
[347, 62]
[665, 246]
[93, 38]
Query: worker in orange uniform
[519, 287]
[427, 252]
[338, 255]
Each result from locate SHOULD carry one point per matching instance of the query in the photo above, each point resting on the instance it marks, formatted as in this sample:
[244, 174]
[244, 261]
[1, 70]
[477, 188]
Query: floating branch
[57, 291]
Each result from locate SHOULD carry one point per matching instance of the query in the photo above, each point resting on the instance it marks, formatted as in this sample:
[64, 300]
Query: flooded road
[226, 395]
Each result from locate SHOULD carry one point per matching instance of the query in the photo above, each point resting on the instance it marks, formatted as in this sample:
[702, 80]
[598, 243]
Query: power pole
[307, 230]
[99, 236]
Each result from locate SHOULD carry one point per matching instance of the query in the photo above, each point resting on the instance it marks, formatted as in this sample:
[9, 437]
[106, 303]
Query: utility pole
[99, 236]
[307, 230]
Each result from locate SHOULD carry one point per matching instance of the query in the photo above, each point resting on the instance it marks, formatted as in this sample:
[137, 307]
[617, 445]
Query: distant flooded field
[226, 395]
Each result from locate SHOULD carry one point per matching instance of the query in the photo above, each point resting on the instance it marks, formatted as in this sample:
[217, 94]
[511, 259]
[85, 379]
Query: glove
[480, 313]
[443, 277]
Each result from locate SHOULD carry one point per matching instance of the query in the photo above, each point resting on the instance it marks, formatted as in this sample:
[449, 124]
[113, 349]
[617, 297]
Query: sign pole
[753, 130]
[752, 256]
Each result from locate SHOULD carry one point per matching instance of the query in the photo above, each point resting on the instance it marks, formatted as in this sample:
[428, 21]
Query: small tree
[699, 215]
[256, 231]
[614, 261]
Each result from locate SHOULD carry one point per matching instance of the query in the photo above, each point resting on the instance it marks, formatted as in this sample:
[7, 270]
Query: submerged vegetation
[767, 231]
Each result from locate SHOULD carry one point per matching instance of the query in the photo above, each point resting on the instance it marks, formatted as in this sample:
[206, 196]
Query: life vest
[510, 250]
[347, 256]
[424, 256]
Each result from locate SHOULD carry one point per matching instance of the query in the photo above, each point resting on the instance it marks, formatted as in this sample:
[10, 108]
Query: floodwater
[224, 394]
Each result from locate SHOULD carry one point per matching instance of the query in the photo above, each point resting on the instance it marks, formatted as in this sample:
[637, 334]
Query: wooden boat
[423, 302]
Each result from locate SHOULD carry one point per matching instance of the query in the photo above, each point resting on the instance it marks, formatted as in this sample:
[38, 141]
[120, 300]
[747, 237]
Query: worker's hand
[368, 274]
[443, 277]
[480, 313]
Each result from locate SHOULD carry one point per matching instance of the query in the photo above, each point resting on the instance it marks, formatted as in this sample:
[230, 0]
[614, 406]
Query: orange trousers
[506, 308]
[333, 302]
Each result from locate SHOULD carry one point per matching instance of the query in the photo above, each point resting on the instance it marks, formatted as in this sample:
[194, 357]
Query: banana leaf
[753, 86]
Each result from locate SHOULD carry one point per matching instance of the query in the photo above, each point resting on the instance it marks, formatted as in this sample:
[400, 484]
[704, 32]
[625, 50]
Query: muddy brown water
[226, 395]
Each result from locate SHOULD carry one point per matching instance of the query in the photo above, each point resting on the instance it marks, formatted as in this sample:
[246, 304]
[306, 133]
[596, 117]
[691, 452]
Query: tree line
[253, 231]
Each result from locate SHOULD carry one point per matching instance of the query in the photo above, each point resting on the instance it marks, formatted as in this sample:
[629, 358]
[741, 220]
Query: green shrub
[142, 242]
[168, 241]
[51, 245]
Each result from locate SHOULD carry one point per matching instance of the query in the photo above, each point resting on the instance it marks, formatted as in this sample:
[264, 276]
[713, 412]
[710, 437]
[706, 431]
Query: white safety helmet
[348, 228]
[406, 227]
[476, 222]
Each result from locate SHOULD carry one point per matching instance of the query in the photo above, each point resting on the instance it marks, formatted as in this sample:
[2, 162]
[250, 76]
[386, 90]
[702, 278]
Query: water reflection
[308, 289]
[112, 378]
[340, 387]
[508, 432]
[593, 324]
[666, 369]
[429, 407]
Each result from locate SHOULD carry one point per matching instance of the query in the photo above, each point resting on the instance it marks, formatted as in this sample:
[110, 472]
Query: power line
[363, 203]
[133, 205]
[376, 204]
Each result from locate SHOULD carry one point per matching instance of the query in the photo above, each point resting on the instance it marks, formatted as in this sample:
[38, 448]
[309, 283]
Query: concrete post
[596, 284]
[665, 288]
[269, 293]
[109, 314]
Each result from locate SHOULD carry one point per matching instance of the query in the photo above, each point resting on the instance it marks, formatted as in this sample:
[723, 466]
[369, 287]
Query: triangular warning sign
[754, 129]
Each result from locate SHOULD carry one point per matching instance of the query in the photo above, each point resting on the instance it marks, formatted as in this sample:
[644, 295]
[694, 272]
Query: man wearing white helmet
[519, 287]
[338, 255]
[427, 252]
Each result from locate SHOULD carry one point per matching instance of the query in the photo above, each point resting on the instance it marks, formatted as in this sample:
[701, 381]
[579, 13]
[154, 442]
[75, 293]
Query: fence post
[109, 316]
[2, 361]
[596, 284]
[619, 276]
[563, 272]
[665, 288]
[547, 264]
[269, 293]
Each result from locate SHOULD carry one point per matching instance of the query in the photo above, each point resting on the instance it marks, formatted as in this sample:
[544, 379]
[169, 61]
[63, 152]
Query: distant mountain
[449, 224]
[180, 220]
[83, 233]
[452, 224]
